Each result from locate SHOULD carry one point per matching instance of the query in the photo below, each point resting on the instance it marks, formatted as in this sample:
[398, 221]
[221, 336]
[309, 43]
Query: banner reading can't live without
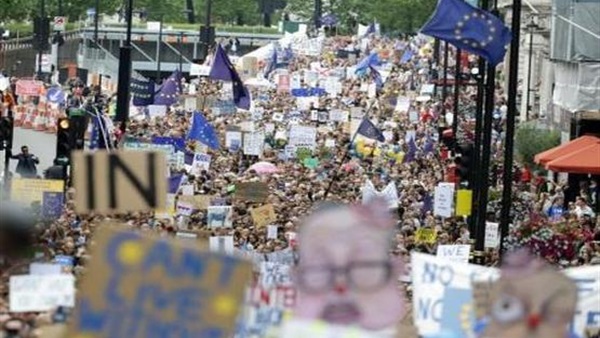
[138, 287]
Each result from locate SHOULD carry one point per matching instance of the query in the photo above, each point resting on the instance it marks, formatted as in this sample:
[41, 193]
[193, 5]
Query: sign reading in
[119, 181]
[138, 286]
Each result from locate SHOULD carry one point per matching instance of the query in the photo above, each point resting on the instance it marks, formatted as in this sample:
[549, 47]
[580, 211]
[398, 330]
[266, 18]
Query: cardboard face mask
[345, 275]
[530, 300]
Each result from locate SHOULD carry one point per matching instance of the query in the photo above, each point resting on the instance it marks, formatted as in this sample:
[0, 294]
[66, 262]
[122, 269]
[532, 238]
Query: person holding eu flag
[470, 29]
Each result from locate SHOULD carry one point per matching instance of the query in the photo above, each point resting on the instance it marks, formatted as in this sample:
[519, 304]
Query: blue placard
[52, 204]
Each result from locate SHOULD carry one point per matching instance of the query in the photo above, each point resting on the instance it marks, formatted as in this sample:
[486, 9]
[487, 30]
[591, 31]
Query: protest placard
[254, 143]
[455, 253]
[274, 274]
[424, 235]
[199, 202]
[184, 209]
[442, 199]
[263, 215]
[338, 115]
[303, 136]
[33, 293]
[138, 286]
[201, 162]
[27, 191]
[272, 232]
[252, 191]
[233, 140]
[219, 216]
[45, 269]
[492, 235]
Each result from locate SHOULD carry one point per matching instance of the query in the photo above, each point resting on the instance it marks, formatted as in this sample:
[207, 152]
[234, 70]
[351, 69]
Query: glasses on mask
[366, 276]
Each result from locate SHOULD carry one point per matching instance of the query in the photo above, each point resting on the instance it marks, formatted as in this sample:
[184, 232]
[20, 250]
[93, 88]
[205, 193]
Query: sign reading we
[119, 181]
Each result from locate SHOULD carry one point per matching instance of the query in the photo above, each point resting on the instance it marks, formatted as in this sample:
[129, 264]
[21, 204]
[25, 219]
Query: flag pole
[346, 153]
[478, 253]
[510, 124]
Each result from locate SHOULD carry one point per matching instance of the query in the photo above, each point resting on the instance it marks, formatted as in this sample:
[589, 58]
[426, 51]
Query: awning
[586, 160]
[565, 149]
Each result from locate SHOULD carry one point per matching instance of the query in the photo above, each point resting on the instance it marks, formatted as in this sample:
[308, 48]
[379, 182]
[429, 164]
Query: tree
[231, 11]
[531, 140]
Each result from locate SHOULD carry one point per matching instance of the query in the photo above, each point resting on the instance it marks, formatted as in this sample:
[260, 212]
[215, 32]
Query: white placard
[303, 136]
[187, 189]
[184, 209]
[402, 104]
[45, 269]
[254, 144]
[219, 216]
[233, 140]
[190, 103]
[456, 253]
[338, 115]
[199, 70]
[330, 143]
[492, 235]
[201, 162]
[443, 199]
[389, 194]
[272, 232]
[33, 293]
[274, 274]
[157, 111]
[222, 244]
[269, 128]
[431, 277]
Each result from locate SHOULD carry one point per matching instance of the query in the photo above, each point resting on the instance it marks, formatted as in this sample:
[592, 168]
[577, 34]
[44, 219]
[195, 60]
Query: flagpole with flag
[222, 69]
[368, 130]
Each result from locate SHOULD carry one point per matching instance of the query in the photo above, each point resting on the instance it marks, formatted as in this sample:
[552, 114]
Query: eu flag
[52, 204]
[100, 137]
[368, 129]
[203, 132]
[142, 92]
[177, 142]
[369, 61]
[222, 69]
[470, 29]
[174, 183]
[169, 91]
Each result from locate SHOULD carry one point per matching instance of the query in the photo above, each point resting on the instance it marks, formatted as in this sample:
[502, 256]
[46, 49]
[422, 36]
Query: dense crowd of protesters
[538, 203]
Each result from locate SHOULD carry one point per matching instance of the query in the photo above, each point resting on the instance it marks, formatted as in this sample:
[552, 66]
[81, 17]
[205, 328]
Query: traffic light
[6, 132]
[464, 163]
[63, 138]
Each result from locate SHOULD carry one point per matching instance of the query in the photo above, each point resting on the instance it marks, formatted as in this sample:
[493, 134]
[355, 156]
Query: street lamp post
[531, 27]
[125, 72]
[181, 51]
[158, 46]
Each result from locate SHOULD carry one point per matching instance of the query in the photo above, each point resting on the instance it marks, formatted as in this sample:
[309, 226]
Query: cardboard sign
[219, 216]
[27, 191]
[264, 215]
[423, 235]
[32, 293]
[199, 202]
[252, 191]
[137, 285]
[119, 181]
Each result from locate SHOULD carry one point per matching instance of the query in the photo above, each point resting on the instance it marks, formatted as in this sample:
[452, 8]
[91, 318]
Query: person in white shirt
[581, 208]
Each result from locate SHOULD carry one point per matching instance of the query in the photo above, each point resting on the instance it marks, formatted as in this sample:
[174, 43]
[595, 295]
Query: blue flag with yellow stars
[368, 129]
[222, 69]
[470, 29]
[169, 91]
[203, 131]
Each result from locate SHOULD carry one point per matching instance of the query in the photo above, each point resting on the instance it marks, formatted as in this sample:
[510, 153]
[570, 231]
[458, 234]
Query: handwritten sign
[119, 181]
[233, 140]
[31, 293]
[492, 235]
[442, 199]
[264, 215]
[273, 274]
[220, 216]
[424, 235]
[454, 253]
[252, 191]
[138, 286]
[253, 144]
[303, 136]
[201, 162]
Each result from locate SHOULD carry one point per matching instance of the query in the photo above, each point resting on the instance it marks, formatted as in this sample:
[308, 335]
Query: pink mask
[345, 275]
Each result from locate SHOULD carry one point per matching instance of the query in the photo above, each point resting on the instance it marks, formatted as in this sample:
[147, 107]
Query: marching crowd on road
[403, 158]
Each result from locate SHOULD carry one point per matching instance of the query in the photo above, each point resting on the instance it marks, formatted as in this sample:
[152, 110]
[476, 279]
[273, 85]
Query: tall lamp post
[125, 72]
[531, 28]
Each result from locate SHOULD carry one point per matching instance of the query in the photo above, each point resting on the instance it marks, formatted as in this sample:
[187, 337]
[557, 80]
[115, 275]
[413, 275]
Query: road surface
[41, 144]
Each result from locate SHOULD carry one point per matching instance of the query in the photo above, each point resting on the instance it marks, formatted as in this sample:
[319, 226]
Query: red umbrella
[565, 149]
[583, 161]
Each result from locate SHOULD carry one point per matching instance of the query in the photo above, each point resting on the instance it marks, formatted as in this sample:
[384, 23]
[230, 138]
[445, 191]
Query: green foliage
[531, 140]
[405, 16]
